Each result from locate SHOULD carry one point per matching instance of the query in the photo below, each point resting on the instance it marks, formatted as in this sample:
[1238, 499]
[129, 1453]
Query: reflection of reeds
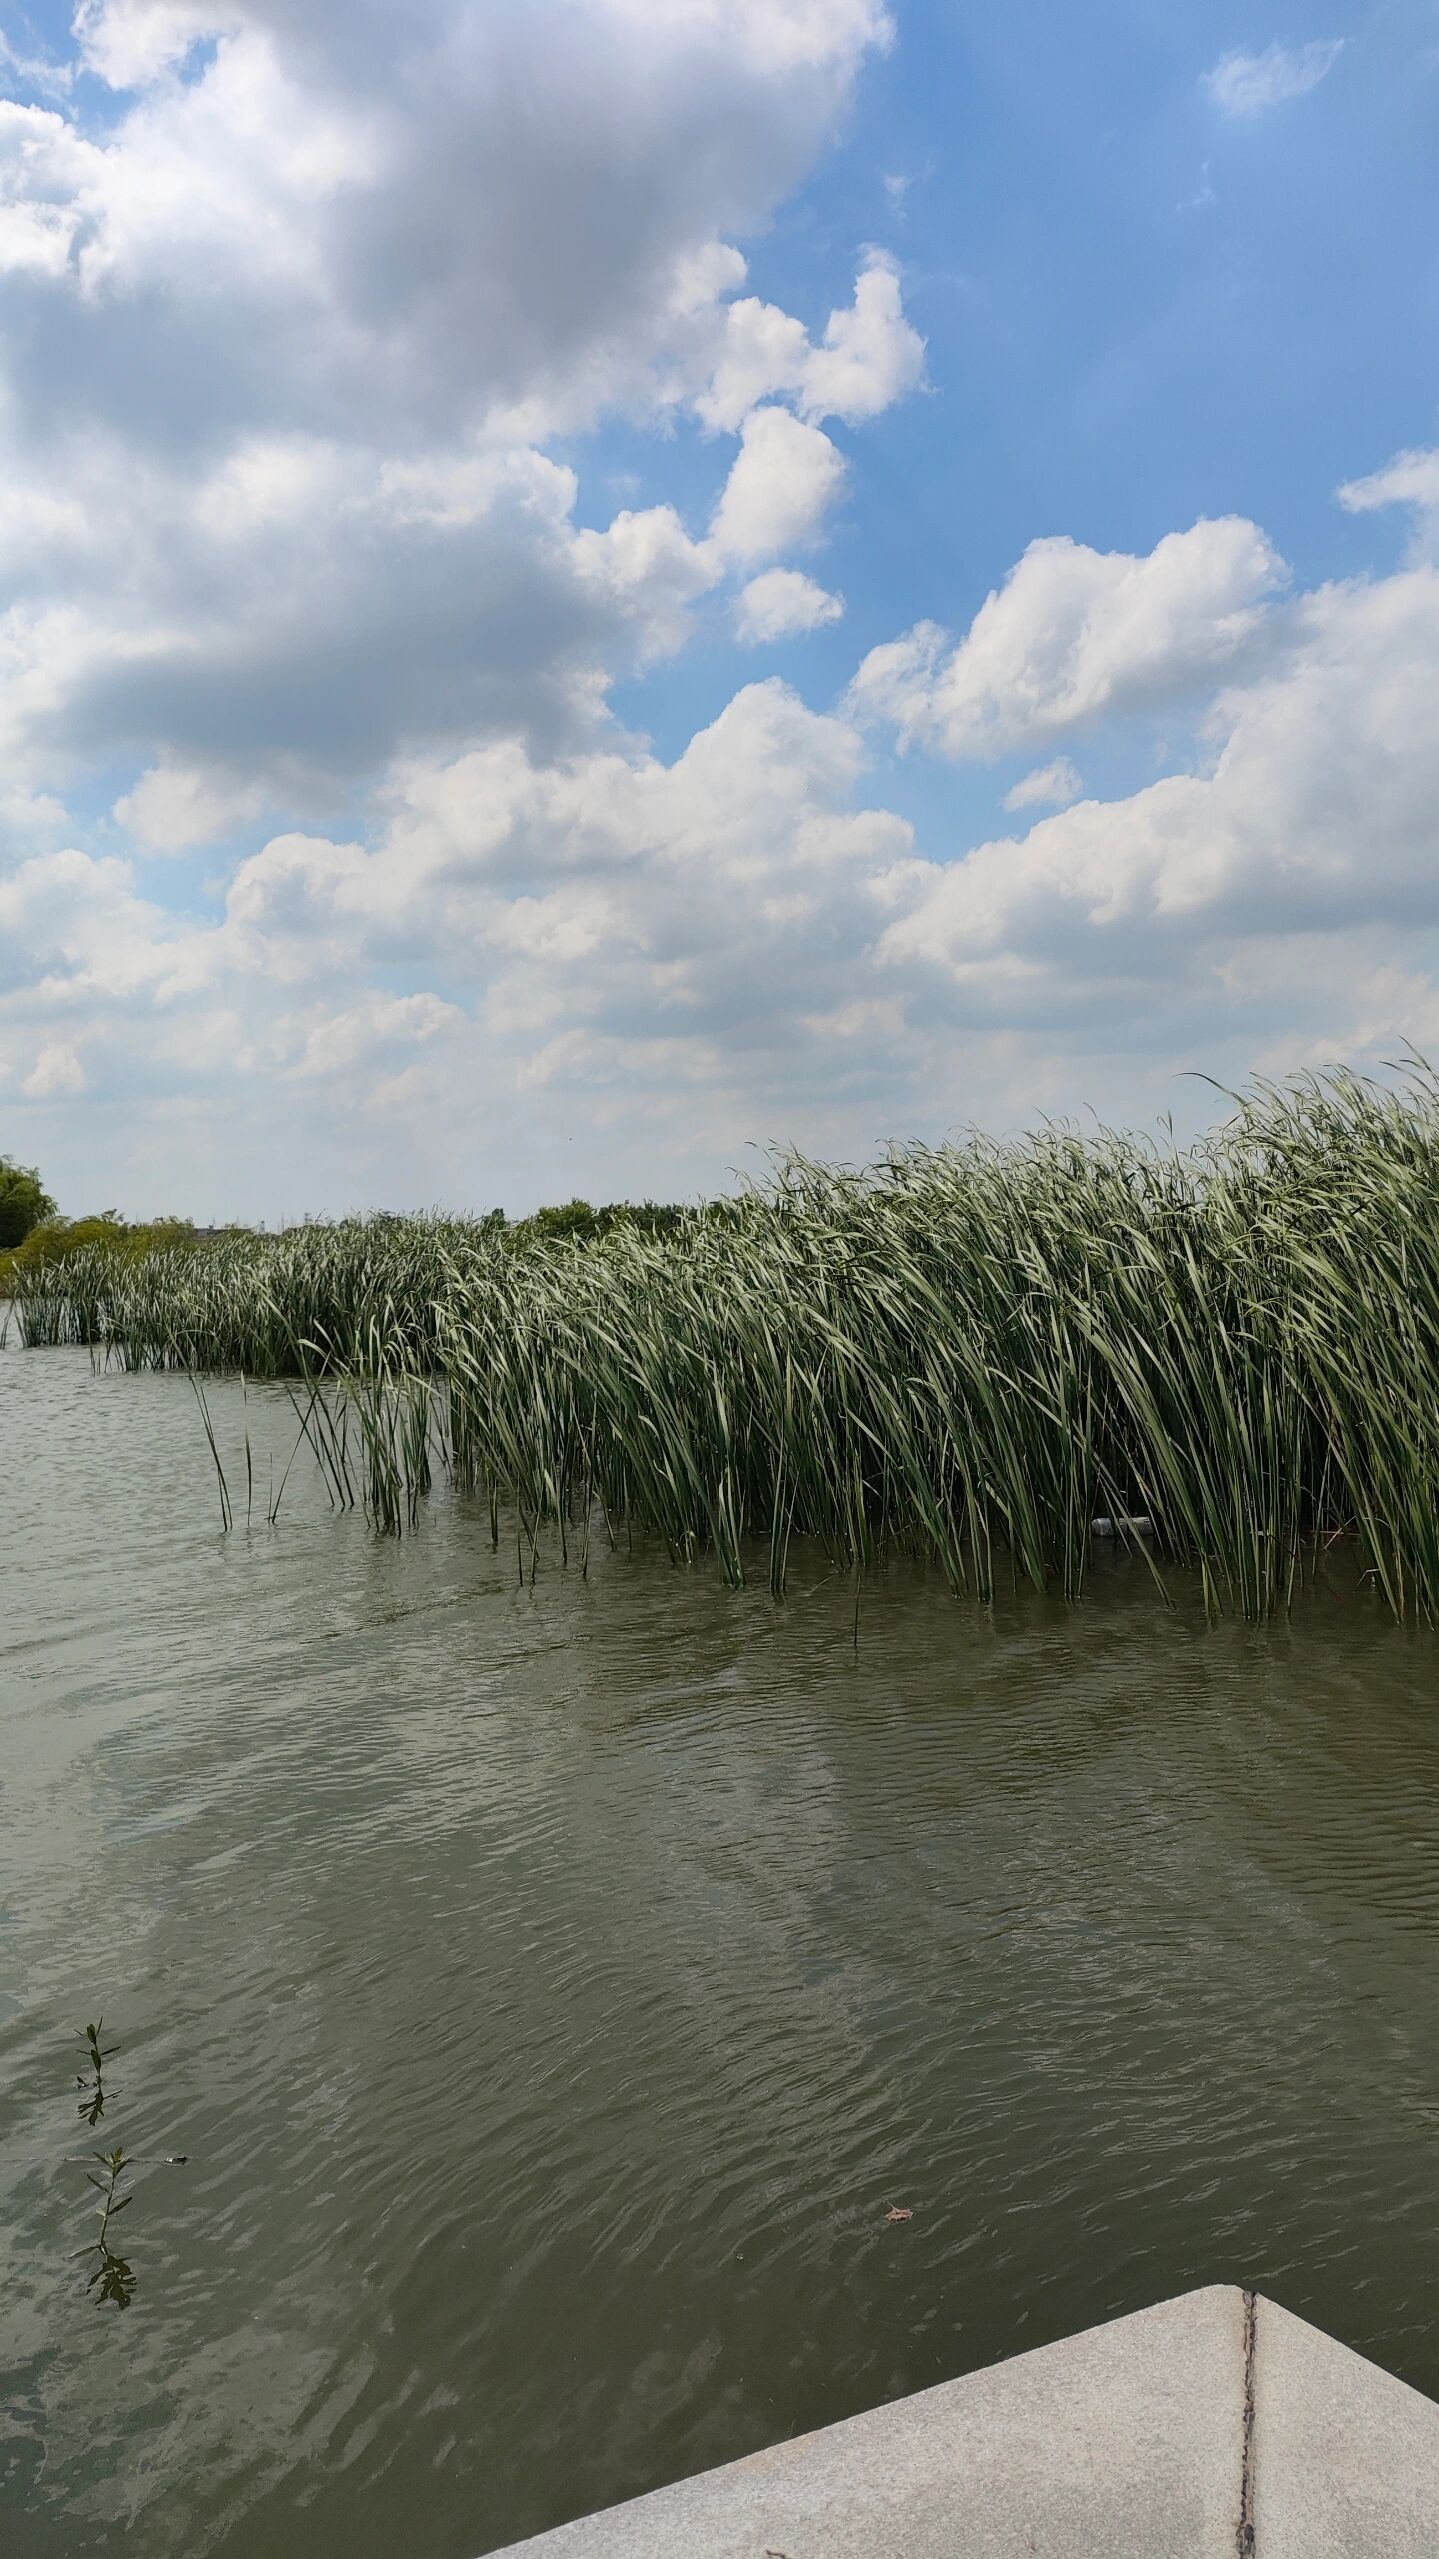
[967, 1352]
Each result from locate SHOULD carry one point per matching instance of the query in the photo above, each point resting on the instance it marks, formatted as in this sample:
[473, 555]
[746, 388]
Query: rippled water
[554, 1988]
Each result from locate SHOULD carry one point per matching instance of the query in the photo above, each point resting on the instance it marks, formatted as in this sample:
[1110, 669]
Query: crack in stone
[1244, 2538]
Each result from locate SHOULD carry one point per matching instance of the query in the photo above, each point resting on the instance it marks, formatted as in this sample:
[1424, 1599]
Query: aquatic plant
[968, 1352]
[91, 2080]
[113, 2278]
[113, 2273]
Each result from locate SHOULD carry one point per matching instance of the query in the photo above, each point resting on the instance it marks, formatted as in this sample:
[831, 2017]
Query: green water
[554, 1988]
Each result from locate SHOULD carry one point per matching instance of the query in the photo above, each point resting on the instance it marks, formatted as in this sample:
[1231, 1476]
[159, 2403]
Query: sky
[594, 587]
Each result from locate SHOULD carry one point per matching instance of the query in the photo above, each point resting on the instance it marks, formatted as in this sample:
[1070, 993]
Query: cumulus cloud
[56, 1070]
[1247, 84]
[444, 210]
[609, 922]
[782, 604]
[1412, 480]
[302, 610]
[1315, 817]
[129, 43]
[1074, 633]
[738, 936]
[1049, 786]
[647, 564]
[289, 324]
[498, 851]
[172, 809]
[761, 351]
[292, 617]
[782, 483]
[374, 1035]
[870, 355]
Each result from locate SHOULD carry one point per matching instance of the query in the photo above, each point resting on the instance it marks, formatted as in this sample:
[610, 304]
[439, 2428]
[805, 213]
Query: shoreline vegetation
[967, 1353]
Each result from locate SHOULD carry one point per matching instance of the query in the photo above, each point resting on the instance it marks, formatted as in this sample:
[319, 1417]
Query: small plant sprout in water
[113, 2278]
[91, 2080]
[113, 2273]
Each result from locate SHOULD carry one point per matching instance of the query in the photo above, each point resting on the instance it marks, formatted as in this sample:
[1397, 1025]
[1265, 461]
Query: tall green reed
[962, 1352]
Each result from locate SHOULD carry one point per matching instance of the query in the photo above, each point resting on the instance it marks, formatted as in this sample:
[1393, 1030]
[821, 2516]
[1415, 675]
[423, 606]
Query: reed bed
[967, 1353]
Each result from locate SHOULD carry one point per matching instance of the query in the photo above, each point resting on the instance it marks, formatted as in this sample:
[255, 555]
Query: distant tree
[648, 1217]
[24, 1203]
[576, 1221]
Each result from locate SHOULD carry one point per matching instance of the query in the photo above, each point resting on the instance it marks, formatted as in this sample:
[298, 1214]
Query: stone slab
[1123, 2443]
[1209, 2426]
[1346, 2458]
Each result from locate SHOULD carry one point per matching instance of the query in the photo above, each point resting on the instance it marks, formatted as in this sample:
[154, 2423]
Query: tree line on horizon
[31, 1225]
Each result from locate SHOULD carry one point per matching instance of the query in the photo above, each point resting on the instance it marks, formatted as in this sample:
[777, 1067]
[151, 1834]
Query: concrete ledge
[1346, 2458]
[1209, 2426]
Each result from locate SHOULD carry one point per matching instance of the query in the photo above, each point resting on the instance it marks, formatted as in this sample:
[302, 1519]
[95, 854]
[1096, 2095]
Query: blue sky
[592, 588]
[1136, 310]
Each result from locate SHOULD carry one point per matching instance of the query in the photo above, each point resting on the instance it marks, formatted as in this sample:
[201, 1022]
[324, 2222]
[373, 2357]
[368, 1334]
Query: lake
[554, 1988]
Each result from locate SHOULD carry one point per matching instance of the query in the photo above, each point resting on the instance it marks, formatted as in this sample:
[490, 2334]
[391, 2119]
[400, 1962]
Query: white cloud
[1316, 815]
[290, 319]
[1074, 633]
[869, 357]
[172, 809]
[782, 604]
[1051, 786]
[437, 214]
[1248, 84]
[373, 1034]
[290, 324]
[783, 480]
[1412, 480]
[609, 922]
[57, 1070]
[647, 564]
[618, 924]
[130, 43]
[303, 610]
[785, 37]
[671, 955]
[760, 351]
[295, 614]
[871, 354]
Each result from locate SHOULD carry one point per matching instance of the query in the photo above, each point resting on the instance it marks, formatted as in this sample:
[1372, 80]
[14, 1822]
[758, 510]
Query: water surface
[555, 1987]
